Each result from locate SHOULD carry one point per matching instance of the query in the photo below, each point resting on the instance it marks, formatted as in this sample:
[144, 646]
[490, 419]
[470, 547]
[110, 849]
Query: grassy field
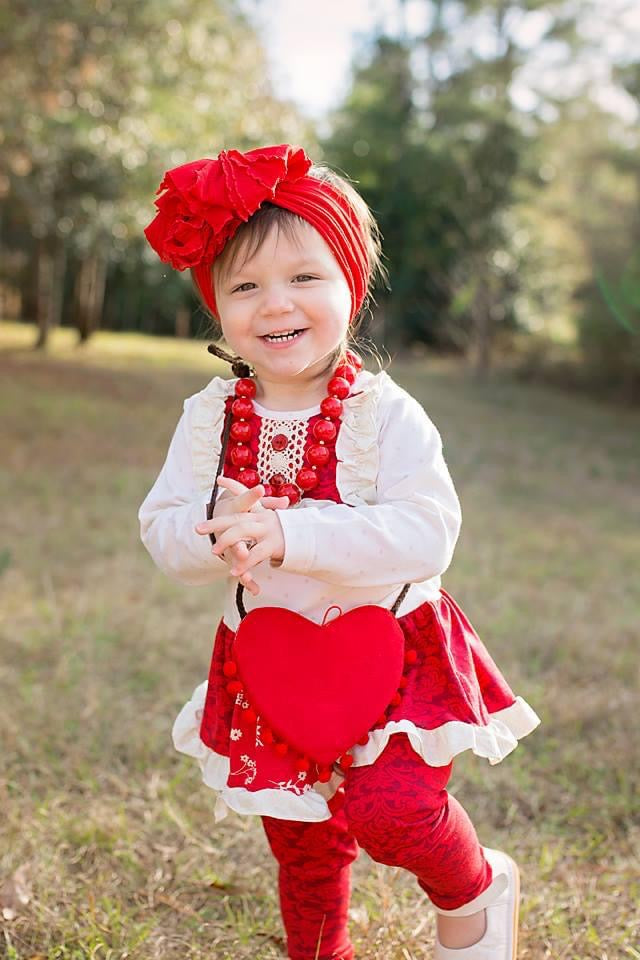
[108, 846]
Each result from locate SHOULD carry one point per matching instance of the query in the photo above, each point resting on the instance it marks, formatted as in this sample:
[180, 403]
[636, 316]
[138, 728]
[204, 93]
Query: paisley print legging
[399, 811]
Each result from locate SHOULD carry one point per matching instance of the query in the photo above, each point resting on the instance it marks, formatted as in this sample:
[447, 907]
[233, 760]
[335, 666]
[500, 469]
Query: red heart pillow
[320, 688]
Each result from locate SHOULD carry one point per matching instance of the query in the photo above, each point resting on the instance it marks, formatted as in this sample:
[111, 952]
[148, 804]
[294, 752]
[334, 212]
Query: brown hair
[250, 236]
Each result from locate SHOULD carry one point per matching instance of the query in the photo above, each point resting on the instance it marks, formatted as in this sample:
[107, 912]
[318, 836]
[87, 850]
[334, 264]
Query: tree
[448, 160]
[101, 99]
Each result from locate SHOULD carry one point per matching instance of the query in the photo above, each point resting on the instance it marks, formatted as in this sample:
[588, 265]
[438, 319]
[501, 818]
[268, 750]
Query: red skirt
[455, 699]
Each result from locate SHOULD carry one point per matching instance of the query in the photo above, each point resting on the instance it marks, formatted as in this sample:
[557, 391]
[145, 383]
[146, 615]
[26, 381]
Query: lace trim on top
[287, 461]
[356, 445]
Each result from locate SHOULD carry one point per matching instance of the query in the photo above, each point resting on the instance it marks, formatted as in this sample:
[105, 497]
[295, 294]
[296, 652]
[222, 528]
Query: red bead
[242, 407]
[279, 442]
[331, 407]
[281, 749]
[410, 656]
[345, 370]
[363, 741]
[303, 764]
[396, 699]
[346, 761]
[241, 456]
[403, 683]
[317, 455]
[234, 687]
[249, 715]
[324, 774]
[324, 430]
[307, 478]
[241, 431]
[338, 387]
[245, 388]
[290, 490]
[249, 477]
[230, 668]
[268, 489]
[277, 479]
[266, 735]
[354, 359]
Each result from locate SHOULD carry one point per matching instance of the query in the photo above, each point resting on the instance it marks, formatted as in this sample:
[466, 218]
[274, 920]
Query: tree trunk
[88, 295]
[183, 322]
[44, 291]
[481, 322]
[57, 293]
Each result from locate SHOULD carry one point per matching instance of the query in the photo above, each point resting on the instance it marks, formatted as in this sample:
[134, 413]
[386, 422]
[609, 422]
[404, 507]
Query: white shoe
[500, 939]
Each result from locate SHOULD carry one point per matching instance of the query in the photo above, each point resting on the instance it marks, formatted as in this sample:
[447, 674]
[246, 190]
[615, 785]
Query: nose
[276, 302]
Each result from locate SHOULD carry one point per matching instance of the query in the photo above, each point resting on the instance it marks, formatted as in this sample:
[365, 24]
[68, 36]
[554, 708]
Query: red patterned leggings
[399, 811]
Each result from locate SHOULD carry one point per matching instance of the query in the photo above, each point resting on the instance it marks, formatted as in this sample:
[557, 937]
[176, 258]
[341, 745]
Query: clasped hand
[248, 515]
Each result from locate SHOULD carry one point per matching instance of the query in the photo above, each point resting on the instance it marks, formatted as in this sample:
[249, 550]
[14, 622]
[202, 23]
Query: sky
[311, 44]
[311, 53]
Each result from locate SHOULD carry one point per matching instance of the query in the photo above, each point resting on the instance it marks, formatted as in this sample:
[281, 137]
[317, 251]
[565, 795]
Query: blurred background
[497, 142]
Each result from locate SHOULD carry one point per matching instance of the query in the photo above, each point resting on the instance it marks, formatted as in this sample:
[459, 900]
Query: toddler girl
[331, 491]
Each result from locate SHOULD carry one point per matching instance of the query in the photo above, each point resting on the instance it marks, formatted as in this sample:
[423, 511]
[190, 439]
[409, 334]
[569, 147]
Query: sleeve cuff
[299, 540]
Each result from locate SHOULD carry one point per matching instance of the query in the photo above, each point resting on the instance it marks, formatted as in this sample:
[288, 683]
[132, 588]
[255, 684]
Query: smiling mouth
[283, 336]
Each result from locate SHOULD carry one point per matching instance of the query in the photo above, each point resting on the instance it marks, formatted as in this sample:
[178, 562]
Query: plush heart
[320, 688]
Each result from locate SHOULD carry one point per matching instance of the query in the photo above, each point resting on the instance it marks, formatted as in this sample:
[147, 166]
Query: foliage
[477, 160]
[101, 98]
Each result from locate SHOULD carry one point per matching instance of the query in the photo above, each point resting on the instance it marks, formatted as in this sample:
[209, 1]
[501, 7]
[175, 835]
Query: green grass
[112, 828]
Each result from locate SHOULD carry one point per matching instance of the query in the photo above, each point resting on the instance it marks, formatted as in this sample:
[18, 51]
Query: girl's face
[287, 308]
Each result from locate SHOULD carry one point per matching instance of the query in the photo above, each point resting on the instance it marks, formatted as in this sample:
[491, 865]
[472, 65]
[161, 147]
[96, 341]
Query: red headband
[204, 203]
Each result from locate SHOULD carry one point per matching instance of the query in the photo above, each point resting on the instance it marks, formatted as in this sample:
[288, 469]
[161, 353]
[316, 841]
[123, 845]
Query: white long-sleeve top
[398, 523]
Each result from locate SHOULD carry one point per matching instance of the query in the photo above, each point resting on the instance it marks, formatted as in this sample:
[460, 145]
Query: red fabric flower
[204, 202]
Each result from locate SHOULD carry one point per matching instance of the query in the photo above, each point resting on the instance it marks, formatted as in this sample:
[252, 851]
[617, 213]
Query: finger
[247, 501]
[260, 552]
[234, 486]
[250, 584]
[247, 581]
[240, 531]
[246, 497]
[238, 552]
[219, 524]
[275, 503]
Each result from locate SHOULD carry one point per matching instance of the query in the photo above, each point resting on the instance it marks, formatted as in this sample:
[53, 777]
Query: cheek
[232, 322]
[340, 304]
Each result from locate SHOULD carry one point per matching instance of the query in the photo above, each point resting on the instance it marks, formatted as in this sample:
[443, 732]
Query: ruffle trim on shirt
[308, 806]
[207, 419]
[357, 444]
[436, 747]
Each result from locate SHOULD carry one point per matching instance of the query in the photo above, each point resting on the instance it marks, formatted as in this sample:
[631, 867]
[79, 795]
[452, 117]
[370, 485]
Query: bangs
[251, 235]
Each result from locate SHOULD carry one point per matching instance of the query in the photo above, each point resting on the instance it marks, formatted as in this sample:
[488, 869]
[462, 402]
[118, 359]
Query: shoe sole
[516, 905]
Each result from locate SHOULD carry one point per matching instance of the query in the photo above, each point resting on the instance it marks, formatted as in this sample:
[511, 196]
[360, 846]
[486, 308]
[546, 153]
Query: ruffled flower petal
[189, 228]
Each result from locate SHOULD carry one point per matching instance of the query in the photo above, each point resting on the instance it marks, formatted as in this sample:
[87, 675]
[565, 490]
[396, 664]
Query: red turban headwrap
[204, 203]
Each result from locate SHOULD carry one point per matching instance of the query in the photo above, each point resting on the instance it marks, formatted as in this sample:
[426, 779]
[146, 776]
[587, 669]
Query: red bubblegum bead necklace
[316, 453]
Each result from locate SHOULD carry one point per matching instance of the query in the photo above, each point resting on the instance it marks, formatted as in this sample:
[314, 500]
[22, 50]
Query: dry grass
[110, 850]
